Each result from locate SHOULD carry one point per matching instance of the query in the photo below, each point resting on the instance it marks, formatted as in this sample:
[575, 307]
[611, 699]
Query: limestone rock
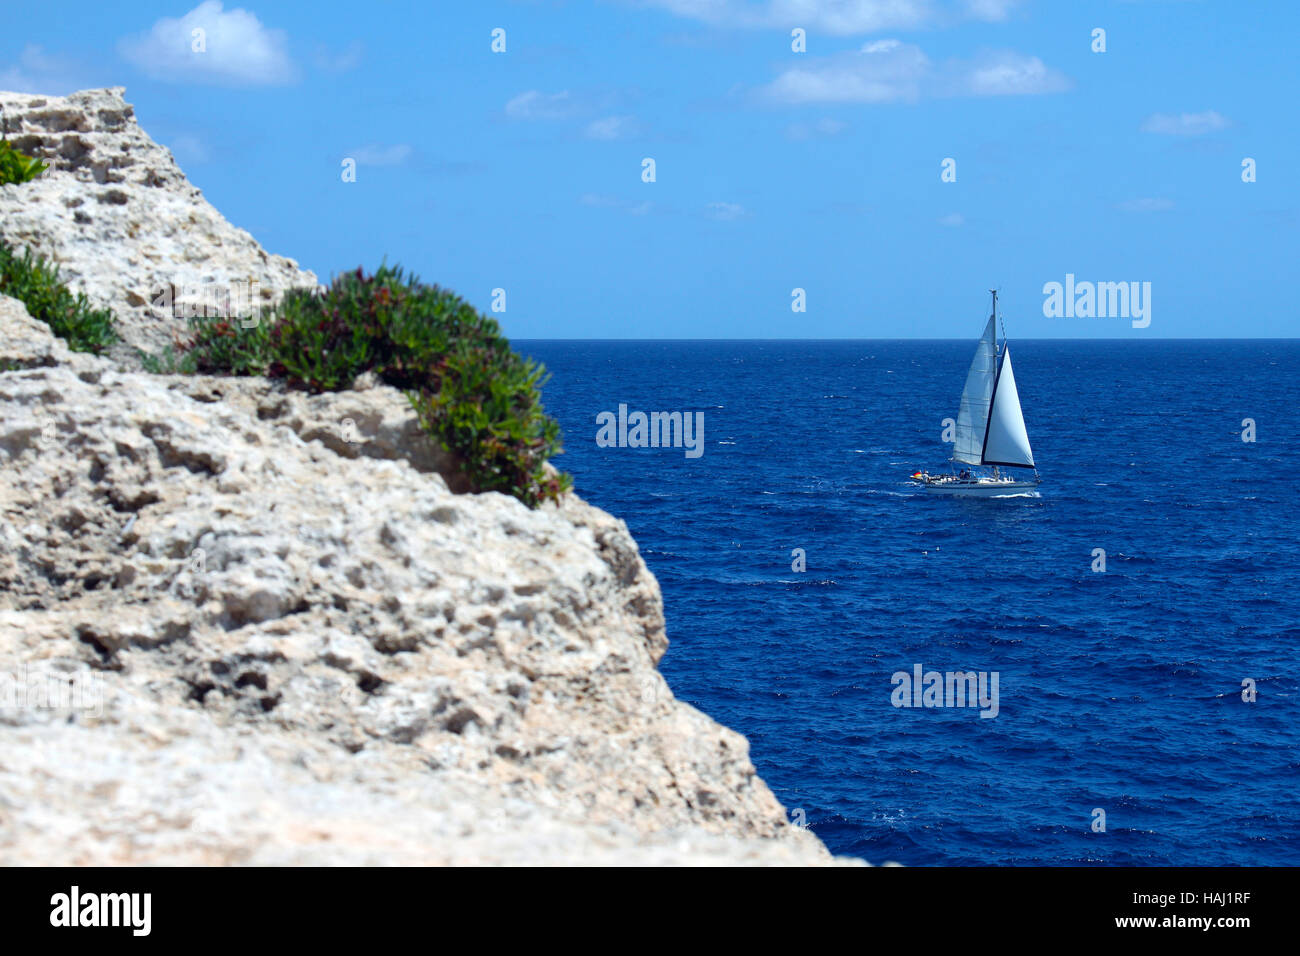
[117, 215]
[291, 648]
[371, 420]
[27, 343]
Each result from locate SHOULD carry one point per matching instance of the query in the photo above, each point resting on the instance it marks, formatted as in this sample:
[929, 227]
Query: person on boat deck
[965, 474]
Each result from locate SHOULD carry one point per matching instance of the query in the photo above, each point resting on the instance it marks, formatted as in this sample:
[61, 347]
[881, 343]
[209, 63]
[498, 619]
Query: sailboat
[990, 431]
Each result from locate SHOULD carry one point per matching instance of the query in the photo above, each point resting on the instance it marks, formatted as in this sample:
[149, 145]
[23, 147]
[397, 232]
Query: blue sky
[775, 169]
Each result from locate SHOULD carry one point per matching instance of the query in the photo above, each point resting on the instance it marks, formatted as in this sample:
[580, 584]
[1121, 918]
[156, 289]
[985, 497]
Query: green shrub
[36, 283]
[170, 362]
[17, 168]
[471, 392]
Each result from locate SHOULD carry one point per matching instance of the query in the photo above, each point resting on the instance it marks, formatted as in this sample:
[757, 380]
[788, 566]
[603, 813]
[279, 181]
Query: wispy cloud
[1184, 124]
[952, 220]
[612, 127]
[880, 72]
[189, 149]
[821, 129]
[382, 155]
[725, 211]
[1146, 204]
[39, 72]
[837, 17]
[342, 61]
[889, 71]
[592, 115]
[233, 49]
[613, 202]
[1006, 74]
[536, 105]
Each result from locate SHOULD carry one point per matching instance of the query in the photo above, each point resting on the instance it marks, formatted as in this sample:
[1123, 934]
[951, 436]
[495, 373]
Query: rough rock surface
[229, 635]
[118, 216]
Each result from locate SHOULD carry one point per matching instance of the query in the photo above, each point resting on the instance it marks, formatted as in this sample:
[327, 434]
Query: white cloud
[38, 72]
[725, 211]
[880, 72]
[838, 17]
[611, 127]
[881, 46]
[1147, 204]
[237, 49]
[1009, 74]
[535, 105]
[1184, 124]
[889, 71]
[953, 219]
[382, 155]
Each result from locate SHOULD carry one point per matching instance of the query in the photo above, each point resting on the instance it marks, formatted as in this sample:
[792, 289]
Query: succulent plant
[471, 392]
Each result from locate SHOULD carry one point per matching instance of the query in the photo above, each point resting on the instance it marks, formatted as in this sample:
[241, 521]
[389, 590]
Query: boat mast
[994, 316]
[997, 366]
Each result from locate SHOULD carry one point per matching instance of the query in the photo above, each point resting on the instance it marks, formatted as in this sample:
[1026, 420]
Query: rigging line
[1003, 325]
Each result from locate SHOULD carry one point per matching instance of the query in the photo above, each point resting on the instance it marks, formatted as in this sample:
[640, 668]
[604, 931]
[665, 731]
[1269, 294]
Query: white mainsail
[1006, 442]
[973, 413]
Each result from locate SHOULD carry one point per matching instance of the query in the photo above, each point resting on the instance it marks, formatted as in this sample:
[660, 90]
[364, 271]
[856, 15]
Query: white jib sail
[973, 413]
[1007, 442]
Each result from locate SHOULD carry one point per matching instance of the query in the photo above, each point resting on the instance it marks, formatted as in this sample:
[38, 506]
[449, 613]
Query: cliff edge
[124, 225]
[234, 631]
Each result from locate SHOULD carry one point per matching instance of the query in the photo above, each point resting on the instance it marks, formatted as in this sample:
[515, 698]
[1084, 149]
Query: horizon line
[1130, 339]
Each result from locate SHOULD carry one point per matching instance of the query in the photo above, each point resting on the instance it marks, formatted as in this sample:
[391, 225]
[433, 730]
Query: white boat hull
[943, 485]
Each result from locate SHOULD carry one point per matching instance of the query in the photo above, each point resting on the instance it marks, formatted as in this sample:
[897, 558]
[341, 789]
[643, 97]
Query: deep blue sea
[1118, 690]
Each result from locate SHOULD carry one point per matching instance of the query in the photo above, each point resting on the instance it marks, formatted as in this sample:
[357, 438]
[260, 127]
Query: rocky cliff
[123, 223]
[239, 625]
